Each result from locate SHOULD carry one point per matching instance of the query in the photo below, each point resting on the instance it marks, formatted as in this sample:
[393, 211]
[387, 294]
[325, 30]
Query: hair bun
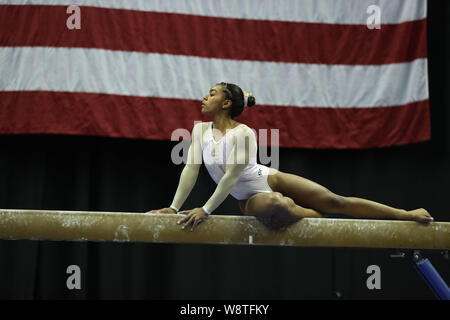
[251, 101]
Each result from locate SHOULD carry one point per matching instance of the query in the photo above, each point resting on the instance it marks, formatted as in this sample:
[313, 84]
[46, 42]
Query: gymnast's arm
[189, 175]
[244, 147]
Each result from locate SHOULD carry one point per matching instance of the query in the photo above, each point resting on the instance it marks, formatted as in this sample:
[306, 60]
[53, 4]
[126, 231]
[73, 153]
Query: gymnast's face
[215, 101]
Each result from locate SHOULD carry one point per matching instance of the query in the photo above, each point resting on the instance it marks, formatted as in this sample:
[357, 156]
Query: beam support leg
[431, 276]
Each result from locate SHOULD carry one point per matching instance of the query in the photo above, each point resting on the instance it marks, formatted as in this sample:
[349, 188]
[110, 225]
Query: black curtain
[106, 174]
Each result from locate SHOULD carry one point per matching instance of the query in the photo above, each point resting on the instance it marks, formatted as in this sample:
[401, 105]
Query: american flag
[321, 73]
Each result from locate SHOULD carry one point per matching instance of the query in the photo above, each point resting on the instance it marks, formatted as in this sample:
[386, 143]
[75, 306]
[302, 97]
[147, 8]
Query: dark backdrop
[106, 174]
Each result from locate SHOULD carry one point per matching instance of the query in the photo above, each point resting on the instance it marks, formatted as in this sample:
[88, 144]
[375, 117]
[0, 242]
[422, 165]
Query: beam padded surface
[142, 227]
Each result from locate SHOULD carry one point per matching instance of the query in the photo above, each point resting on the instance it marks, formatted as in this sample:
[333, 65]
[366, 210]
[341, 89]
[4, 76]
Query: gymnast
[275, 198]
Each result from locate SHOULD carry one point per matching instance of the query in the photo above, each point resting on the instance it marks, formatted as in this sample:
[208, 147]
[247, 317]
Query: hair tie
[246, 95]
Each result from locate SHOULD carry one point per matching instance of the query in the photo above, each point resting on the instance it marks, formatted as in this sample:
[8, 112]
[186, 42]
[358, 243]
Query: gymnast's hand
[163, 210]
[194, 217]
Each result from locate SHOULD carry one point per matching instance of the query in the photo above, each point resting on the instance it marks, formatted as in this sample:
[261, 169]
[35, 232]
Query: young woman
[276, 198]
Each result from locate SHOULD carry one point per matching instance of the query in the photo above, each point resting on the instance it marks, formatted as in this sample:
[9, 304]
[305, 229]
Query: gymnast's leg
[312, 195]
[275, 210]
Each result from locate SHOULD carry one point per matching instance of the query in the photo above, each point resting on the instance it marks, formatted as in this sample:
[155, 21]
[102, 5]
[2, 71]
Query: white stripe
[185, 77]
[318, 11]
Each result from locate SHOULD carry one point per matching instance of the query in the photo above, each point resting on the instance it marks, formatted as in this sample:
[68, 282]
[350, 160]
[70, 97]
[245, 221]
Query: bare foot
[420, 215]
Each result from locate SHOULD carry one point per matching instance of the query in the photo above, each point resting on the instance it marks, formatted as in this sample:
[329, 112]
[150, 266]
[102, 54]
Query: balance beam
[243, 230]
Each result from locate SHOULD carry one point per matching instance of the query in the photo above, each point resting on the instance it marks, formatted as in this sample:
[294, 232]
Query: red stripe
[31, 112]
[180, 34]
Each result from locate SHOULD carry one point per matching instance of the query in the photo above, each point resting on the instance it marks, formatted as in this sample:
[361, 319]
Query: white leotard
[253, 178]
[230, 161]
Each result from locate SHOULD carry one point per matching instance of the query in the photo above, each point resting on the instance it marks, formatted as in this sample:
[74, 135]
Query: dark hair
[236, 95]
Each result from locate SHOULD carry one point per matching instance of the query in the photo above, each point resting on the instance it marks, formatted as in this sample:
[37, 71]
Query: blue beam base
[432, 277]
